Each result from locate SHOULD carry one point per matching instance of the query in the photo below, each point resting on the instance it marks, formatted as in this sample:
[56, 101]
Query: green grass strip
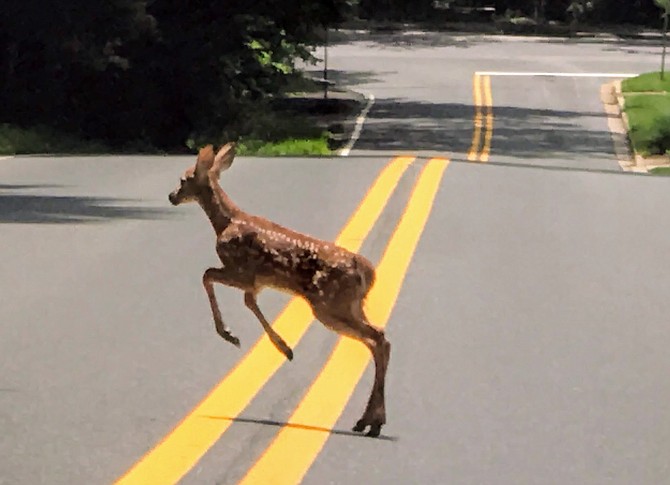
[649, 119]
[15, 140]
[665, 171]
[296, 147]
[647, 82]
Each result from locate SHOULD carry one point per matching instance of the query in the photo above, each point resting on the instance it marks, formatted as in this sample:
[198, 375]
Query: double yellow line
[293, 451]
[296, 447]
[483, 118]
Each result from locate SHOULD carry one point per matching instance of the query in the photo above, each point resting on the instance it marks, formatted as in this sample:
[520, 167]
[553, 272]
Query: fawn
[258, 253]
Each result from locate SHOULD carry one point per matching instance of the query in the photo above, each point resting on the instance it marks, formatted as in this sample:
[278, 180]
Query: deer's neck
[220, 208]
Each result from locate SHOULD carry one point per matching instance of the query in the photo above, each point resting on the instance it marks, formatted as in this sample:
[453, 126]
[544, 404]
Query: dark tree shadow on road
[349, 78]
[282, 424]
[611, 42]
[409, 39]
[412, 38]
[633, 50]
[27, 186]
[396, 124]
[54, 209]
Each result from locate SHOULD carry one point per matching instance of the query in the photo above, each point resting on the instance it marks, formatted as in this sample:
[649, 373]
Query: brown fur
[257, 253]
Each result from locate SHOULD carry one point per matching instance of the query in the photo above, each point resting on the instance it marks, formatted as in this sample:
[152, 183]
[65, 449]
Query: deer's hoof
[375, 427]
[233, 340]
[359, 426]
[284, 349]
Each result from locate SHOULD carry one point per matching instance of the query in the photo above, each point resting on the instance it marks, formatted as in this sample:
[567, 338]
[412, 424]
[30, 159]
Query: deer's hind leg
[354, 324]
[279, 343]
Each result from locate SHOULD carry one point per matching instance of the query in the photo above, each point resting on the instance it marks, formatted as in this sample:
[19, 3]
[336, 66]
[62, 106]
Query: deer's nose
[172, 197]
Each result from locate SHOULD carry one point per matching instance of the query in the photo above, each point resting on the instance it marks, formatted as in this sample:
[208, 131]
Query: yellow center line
[488, 133]
[477, 132]
[294, 449]
[177, 452]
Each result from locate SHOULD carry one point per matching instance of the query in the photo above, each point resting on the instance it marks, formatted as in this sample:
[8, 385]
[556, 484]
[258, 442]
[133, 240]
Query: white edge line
[555, 74]
[359, 126]
[6, 157]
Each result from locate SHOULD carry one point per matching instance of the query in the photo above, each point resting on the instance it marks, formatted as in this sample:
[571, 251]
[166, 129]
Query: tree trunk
[665, 33]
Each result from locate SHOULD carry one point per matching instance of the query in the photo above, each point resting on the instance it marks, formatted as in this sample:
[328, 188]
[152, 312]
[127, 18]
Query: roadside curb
[504, 28]
[629, 159]
[618, 125]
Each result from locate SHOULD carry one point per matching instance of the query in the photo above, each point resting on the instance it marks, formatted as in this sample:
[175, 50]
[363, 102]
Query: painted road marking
[359, 126]
[181, 449]
[291, 454]
[483, 101]
[477, 122]
[482, 91]
[555, 74]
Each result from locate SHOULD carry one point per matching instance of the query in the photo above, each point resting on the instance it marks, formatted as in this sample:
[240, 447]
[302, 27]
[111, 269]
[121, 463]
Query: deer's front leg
[211, 276]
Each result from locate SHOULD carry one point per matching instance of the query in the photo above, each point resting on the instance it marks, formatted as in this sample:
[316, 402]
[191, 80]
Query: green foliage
[664, 4]
[649, 119]
[276, 131]
[665, 171]
[42, 139]
[295, 147]
[159, 72]
[579, 10]
[645, 83]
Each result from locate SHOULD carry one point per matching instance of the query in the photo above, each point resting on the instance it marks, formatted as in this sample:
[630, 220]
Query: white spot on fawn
[317, 276]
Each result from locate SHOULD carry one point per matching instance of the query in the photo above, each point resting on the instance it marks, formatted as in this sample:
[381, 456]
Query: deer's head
[208, 167]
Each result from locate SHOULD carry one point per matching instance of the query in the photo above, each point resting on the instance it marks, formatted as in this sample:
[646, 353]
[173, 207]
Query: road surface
[525, 296]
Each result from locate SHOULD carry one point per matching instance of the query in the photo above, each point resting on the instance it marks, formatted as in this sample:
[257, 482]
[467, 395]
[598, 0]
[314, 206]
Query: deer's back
[268, 254]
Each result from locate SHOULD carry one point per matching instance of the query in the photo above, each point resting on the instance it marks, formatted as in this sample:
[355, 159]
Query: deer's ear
[224, 158]
[205, 160]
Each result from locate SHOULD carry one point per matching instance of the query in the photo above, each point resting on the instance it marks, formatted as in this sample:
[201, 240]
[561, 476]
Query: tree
[665, 5]
[217, 61]
[160, 72]
[62, 59]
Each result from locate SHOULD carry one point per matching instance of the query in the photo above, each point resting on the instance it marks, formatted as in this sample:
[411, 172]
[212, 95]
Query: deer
[257, 253]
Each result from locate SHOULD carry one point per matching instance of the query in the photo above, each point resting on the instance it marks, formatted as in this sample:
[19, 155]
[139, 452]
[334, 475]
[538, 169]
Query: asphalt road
[530, 332]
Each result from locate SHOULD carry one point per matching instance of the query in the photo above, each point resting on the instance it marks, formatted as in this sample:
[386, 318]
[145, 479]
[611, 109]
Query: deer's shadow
[306, 427]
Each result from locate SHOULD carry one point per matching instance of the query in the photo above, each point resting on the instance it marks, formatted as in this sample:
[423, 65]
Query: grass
[648, 114]
[649, 120]
[290, 146]
[285, 132]
[285, 138]
[41, 139]
[647, 82]
[661, 171]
